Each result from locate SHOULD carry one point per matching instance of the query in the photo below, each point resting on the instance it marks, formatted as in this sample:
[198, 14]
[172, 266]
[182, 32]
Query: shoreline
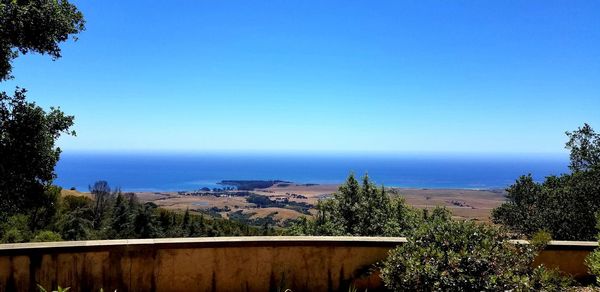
[218, 185]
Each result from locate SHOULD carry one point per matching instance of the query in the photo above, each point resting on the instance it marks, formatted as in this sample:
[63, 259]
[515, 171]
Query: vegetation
[564, 205]
[593, 263]
[441, 254]
[28, 133]
[448, 255]
[119, 215]
[29, 154]
[593, 259]
[362, 210]
[59, 289]
[264, 202]
[36, 26]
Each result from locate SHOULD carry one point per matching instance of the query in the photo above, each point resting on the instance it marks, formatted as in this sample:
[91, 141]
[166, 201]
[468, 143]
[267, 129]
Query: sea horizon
[164, 171]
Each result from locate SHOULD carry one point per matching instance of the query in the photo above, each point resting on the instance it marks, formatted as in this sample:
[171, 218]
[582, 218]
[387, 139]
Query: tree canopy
[36, 26]
[27, 132]
[363, 209]
[27, 147]
[564, 205]
[584, 144]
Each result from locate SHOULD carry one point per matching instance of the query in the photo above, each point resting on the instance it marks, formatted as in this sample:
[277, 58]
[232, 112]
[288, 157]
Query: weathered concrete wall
[567, 256]
[218, 264]
[198, 264]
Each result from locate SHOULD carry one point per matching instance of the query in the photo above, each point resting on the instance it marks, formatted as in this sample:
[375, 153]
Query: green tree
[401, 218]
[76, 224]
[375, 209]
[121, 220]
[584, 144]
[359, 209]
[27, 147]
[37, 26]
[564, 205]
[146, 223]
[346, 206]
[16, 229]
[525, 209]
[185, 223]
[103, 198]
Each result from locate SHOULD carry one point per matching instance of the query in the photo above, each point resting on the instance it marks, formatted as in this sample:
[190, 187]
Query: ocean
[185, 172]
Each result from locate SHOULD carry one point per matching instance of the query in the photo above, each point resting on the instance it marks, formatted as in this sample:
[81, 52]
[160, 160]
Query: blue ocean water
[179, 172]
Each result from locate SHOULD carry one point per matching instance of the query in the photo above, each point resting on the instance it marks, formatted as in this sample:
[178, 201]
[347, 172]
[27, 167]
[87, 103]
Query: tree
[584, 144]
[524, 210]
[145, 222]
[120, 225]
[37, 26]
[103, 197]
[564, 205]
[362, 210]
[375, 209]
[27, 147]
[75, 219]
[15, 229]
[346, 208]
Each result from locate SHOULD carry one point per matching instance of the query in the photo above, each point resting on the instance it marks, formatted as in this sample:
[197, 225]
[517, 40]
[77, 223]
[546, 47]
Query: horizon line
[310, 152]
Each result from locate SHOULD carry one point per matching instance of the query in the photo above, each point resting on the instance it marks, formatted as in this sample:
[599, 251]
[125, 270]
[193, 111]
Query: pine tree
[121, 218]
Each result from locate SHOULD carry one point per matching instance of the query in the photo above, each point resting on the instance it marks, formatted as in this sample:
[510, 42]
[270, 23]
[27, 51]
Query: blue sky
[333, 76]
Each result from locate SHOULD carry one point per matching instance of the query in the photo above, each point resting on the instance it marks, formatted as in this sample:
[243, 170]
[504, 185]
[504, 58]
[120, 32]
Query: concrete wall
[219, 264]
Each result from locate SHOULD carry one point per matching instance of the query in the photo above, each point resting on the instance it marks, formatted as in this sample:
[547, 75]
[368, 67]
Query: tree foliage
[564, 205]
[75, 217]
[37, 26]
[103, 196]
[27, 147]
[584, 144]
[362, 209]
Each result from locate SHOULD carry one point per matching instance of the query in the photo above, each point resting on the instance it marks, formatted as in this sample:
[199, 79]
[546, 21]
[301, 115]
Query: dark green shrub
[15, 229]
[45, 236]
[593, 263]
[550, 280]
[447, 255]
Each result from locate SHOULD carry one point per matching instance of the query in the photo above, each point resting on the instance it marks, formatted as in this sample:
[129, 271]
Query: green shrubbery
[593, 263]
[46, 235]
[593, 260]
[448, 255]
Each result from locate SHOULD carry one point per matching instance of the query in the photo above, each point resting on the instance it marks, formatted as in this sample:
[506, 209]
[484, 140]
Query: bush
[551, 280]
[15, 229]
[447, 255]
[593, 263]
[45, 236]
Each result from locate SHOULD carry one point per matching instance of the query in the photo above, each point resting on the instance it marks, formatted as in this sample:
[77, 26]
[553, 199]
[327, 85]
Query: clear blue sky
[390, 76]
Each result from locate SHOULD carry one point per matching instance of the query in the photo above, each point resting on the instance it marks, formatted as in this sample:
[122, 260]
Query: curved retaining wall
[220, 264]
